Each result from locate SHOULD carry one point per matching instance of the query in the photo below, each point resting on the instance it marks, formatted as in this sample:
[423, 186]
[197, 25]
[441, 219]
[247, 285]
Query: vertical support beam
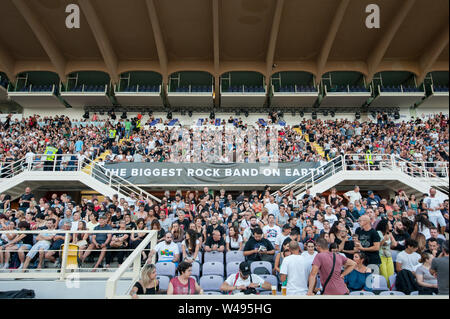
[7, 64]
[377, 54]
[48, 44]
[273, 40]
[101, 37]
[432, 53]
[160, 47]
[331, 35]
[216, 36]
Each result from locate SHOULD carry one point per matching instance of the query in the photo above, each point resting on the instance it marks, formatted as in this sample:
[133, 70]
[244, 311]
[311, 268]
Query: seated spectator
[244, 282]
[400, 235]
[258, 248]
[117, 245]
[234, 240]
[286, 230]
[357, 279]
[15, 242]
[58, 241]
[166, 251]
[147, 284]
[248, 232]
[214, 226]
[215, 242]
[43, 243]
[433, 247]
[190, 247]
[279, 258]
[408, 259]
[99, 241]
[177, 232]
[184, 283]
[427, 283]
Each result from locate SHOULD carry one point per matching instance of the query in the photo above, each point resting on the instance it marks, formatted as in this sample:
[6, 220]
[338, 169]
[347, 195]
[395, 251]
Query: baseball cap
[244, 267]
[369, 192]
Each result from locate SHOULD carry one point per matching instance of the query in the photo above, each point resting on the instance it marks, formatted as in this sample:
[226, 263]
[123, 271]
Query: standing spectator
[434, 205]
[387, 240]
[271, 231]
[296, 268]
[184, 284]
[439, 269]
[329, 265]
[368, 241]
[354, 195]
[286, 230]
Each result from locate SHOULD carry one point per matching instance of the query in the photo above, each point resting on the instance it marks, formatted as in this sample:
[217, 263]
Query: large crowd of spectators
[368, 235]
[417, 140]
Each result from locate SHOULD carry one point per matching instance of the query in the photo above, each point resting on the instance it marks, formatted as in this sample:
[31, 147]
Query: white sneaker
[6, 266]
[21, 266]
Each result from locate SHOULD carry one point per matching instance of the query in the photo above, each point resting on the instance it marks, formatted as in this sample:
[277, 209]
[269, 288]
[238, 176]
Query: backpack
[406, 282]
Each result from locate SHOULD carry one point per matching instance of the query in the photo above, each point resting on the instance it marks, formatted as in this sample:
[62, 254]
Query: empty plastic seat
[212, 282]
[414, 293]
[165, 269]
[163, 282]
[196, 270]
[232, 267]
[235, 255]
[392, 293]
[213, 256]
[367, 293]
[213, 268]
[264, 264]
[378, 282]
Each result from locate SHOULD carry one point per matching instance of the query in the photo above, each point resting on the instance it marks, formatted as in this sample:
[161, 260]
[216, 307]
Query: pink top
[180, 289]
[336, 284]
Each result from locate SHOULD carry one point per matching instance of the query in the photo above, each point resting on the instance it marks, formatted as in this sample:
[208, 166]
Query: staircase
[38, 173]
[388, 171]
[315, 145]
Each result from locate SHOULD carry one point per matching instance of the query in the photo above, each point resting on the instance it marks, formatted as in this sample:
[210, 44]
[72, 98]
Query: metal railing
[73, 162]
[65, 271]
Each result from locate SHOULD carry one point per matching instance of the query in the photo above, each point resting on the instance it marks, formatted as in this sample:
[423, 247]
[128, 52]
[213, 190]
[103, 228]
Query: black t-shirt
[367, 239]
[26, 197]
[400, 239]
[149, 291]
[349, 245]
[253, 244]
[184, 224]
[211, 228]
[210, 241]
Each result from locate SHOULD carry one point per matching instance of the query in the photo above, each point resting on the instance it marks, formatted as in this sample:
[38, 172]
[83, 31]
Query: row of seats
[211, 268]
[243, 88]
[211, 283]
[4, 83]
[142, 88]
[398, 88]
[37, 88]
[440, 88]
[194, 88]
[301, 88]
[89, 88]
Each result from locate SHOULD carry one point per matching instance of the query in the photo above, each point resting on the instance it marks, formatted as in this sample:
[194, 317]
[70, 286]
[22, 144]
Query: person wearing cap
[244, 279]
[373, 200]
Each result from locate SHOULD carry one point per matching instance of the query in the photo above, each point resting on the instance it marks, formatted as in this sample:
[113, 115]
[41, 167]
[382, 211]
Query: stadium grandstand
[191, 147]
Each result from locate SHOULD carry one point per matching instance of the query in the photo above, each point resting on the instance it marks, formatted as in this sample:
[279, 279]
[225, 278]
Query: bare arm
[312, 280]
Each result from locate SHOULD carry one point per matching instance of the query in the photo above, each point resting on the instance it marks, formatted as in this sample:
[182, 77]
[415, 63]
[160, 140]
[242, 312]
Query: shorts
[43, 244]
[26, 246]
[436, 218]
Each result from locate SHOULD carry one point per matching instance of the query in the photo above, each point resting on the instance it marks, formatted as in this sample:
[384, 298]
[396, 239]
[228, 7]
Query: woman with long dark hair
[357, 280]
[190, 247]
[426, 281]
[184, 284]
[422, 225]
[234, 240]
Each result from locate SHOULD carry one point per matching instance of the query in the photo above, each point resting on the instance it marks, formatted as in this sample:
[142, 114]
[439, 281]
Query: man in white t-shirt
[239, 282]
[166, 250]
[272, 207]
[286, 230]
[329, 216]
[296, 268]
[434, 205]
[271, 231]
[353, 195]
[408, 258]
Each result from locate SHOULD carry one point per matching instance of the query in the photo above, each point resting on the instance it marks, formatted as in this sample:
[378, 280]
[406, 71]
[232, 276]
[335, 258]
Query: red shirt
[180, 289]
[336, 284]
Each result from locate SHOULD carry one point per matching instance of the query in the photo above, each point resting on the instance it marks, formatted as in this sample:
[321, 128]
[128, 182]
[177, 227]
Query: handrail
[80, 164]
[426, 172]
[135, 260]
